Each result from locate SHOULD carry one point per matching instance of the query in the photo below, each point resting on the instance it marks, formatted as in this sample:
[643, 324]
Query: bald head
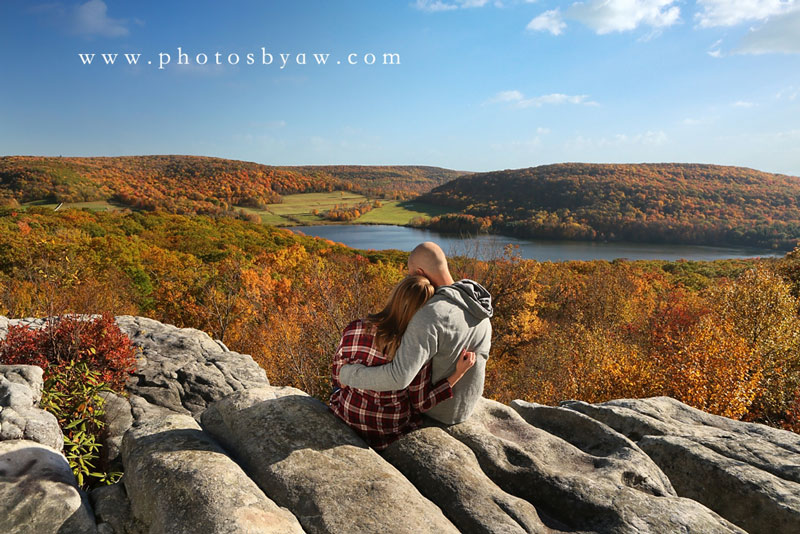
[429, 260]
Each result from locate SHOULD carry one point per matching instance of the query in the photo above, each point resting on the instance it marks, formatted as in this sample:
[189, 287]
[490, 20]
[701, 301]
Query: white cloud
[518, 99]
[649, 138]
[555, 98]
[507, 96]
[714, 50]
[699, 120]
[447, 5]
[779, 34]
[789, 93]
[549, 21]
[732, 12]
[606, 16]
[91, 18]
[743, 104]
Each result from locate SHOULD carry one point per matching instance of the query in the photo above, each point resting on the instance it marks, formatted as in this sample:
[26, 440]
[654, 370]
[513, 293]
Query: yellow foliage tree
[760, 306]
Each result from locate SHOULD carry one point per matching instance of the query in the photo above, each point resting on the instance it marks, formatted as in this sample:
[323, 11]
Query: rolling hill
[668, 203]
[195, 184]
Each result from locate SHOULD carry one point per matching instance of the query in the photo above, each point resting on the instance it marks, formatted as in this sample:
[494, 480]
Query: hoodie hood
[470, 295]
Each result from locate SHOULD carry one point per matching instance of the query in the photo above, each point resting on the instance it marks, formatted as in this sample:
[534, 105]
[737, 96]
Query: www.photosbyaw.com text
[280, 60]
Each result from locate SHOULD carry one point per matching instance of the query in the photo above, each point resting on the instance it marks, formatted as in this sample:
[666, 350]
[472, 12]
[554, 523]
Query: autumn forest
[723, 336]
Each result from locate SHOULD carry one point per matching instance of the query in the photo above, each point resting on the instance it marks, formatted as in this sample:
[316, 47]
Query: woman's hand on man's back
[465, 361]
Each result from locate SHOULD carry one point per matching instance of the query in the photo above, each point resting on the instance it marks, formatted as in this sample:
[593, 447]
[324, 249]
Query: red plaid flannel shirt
[380, 417]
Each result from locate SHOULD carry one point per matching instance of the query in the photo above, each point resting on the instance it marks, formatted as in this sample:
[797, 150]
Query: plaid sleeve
[338, 362]
[344, 352]
[423, 394]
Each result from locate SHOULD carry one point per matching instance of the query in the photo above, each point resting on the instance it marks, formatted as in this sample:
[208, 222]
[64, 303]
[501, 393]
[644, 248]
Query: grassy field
[297, 210]
[394, 212]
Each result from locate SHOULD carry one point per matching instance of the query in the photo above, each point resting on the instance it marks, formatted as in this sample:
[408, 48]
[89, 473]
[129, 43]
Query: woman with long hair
[381, 417]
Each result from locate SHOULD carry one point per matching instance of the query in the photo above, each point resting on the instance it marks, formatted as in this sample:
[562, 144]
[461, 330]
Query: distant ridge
[648, 202]
[197, 184]
[680, 203]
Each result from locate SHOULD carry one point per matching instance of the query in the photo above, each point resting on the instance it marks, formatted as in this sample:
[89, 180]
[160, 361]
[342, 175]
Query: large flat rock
[746, 472]
[308, 460]
[179, 480]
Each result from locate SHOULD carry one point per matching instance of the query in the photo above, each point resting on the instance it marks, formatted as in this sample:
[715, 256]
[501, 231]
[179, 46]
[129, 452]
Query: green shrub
[72, 394]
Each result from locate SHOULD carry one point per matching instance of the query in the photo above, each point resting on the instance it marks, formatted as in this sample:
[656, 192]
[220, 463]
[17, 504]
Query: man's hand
[464, 363]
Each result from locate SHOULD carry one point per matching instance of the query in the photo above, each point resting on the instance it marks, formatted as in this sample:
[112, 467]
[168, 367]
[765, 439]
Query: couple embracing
[425, 352]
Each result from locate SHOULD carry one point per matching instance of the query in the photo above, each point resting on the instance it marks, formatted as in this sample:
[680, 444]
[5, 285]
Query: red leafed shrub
[98, 342]
[81, 359]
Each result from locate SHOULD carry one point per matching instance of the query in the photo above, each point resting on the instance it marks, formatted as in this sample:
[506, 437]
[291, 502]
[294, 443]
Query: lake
[380, 237]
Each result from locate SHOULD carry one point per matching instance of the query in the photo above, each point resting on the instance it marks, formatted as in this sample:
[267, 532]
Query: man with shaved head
[454, 320]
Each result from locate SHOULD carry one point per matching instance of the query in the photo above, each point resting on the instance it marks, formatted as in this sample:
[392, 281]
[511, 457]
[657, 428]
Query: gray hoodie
[454, 319]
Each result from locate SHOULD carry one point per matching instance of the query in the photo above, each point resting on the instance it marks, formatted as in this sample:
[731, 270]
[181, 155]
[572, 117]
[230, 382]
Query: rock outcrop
[39, 493]
[207, 444]
[20, 415]
[183, 369]
[746, 472]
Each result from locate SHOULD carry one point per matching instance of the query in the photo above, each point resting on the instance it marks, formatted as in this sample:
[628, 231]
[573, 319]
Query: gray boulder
[573, 490]
[747, 472]
[600, 441]
[118, 418]
[113, 511]
[32, 322]
[179, 480]
[447, 472]
[183, 369]
[308, 460]
[20, 415]
[38, 492]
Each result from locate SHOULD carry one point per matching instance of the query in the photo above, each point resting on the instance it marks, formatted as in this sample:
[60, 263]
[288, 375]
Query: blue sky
[481, 85]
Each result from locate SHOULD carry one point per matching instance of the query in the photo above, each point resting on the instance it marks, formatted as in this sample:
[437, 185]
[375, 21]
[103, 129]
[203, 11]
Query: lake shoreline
[397, 237]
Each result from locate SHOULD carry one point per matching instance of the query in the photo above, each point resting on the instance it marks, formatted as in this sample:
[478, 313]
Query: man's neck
[445, 280]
